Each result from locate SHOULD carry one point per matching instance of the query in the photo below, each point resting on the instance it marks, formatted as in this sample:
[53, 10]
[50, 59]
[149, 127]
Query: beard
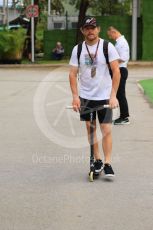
[91, 37]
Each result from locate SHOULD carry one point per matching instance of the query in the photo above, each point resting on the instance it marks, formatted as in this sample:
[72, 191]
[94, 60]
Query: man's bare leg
[97, 154]
[106, 130]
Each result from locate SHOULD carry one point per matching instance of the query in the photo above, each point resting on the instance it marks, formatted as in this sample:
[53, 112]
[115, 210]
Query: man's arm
[73, 85]
[115, 83]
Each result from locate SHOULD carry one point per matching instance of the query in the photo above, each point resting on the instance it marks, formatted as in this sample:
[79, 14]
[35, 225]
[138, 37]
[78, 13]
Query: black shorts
[104, 115]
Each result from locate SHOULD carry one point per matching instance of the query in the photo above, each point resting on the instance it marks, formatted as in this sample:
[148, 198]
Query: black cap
[89, 21]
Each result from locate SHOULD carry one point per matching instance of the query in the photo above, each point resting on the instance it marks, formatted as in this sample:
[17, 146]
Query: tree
[105, 7]
[99, 7]
[57, 6]
[112, 7]
[84, 4]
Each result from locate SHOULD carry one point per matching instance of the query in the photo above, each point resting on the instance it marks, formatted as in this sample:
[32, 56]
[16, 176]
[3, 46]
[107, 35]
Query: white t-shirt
[122, 48]
[99, 87]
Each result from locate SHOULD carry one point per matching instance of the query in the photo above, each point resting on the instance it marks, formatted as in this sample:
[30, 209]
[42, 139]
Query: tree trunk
[84, 4]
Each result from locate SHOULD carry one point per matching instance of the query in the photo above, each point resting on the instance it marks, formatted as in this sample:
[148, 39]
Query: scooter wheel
[91, 176]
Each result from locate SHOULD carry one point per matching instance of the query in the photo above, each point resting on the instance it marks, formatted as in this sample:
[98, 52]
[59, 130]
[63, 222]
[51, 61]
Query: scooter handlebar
[71, 107]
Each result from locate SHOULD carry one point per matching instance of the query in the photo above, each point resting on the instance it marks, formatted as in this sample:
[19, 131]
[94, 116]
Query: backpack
[105, 51]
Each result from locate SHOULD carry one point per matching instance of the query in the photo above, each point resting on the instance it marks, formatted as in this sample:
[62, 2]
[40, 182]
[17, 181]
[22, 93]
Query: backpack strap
[79, 52]
[105, 51]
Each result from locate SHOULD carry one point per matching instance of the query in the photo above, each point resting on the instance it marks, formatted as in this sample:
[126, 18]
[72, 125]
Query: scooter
[92, 173]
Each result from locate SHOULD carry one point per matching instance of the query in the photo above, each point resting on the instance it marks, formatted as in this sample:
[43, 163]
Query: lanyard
[93, 58]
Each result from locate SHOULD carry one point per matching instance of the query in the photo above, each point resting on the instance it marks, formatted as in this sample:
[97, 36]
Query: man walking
[122, 48]
[96, 88]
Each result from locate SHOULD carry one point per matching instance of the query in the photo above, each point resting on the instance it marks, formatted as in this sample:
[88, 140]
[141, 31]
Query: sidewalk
[44, 185]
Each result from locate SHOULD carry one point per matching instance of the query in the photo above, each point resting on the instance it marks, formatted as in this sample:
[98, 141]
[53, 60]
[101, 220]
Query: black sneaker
[122, 121]
[98, 166]
[108, 170]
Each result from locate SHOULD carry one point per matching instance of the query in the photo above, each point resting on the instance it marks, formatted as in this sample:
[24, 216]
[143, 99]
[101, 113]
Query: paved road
[44, 158]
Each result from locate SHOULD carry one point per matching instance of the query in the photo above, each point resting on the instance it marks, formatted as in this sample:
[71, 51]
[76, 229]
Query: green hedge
[147, 43]
[122, 23]
[67, 37]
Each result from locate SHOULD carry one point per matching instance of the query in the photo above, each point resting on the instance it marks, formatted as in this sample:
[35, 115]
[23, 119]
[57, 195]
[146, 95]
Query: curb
[140, 87]
[33, 65]
[140, 64]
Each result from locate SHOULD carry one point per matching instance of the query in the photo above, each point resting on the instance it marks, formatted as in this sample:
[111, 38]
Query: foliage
[57, 6]
[105, 7]
[99, 7]
[11, 44]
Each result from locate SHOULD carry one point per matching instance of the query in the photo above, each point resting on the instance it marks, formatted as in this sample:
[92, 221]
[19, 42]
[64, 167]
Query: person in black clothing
[122, 48]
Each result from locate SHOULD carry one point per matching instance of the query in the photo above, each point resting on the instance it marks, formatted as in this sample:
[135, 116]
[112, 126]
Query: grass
[147, 85]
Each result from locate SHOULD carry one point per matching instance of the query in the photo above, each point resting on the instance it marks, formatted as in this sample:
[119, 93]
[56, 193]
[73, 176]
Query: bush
[11, 46]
